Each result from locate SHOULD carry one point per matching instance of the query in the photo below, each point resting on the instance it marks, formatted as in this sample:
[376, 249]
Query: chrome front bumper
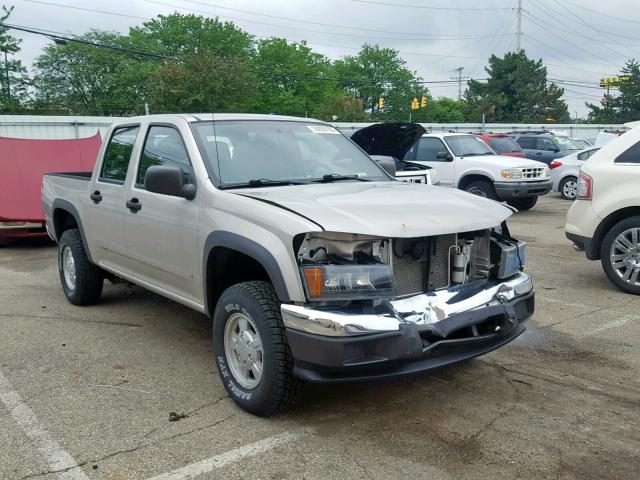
[423, 309]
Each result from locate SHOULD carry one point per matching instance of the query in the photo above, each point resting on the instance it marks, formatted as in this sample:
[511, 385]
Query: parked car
[502, 144]
[544, 146]
[604, 221]
[22, 163]
[582, 142]
[387, 143]
[314, 262]
[565, 172]
[463, 161]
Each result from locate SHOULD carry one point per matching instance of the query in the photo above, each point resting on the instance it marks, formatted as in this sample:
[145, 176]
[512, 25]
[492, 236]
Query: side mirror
[444, 156]
[168, 180]
[387, 163]
[555, 149]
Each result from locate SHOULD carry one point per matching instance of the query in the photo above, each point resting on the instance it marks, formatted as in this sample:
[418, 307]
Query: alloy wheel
[625, 255]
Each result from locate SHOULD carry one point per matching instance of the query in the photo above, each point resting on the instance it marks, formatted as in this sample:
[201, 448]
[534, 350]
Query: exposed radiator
[411, 275]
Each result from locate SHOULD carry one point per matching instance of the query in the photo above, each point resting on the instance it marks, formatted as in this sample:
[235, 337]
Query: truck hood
[385, 209]
[391, 139]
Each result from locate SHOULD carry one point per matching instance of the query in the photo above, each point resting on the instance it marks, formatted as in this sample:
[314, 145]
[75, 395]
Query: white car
[461, 161]
[565, 172]
[604, 221]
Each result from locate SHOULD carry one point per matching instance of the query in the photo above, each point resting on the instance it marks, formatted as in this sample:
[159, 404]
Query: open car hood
[391, 139]
[385, 209]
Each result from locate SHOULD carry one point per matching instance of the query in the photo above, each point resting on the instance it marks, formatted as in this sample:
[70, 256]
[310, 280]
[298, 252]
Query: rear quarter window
[630, 155]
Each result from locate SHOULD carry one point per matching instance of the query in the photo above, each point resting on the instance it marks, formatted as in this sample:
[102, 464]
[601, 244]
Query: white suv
[604, 221]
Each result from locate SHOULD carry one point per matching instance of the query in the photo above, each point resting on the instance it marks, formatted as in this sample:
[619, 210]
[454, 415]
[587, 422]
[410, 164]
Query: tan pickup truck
[314, 262]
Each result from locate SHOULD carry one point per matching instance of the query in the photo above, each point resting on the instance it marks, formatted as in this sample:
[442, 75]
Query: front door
[161, 236]
[105, 210]
[432, 152]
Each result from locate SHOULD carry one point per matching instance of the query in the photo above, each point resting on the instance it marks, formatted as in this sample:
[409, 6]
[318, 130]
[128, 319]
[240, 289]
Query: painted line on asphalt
[208, 465]
[59, 460]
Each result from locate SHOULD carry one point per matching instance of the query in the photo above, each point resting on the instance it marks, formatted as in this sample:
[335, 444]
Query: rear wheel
[568, 188]
[620, 255]
[526, 203]
[252, 354]
[81, 280]
[481, 188]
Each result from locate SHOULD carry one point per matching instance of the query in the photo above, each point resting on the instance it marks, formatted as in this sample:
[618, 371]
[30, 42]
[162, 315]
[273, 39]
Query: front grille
[536, 172]
[429, 272]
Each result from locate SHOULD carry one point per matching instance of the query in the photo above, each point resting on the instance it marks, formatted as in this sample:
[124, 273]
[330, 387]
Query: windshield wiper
[261, 182]
[336, 177]
[476, 154]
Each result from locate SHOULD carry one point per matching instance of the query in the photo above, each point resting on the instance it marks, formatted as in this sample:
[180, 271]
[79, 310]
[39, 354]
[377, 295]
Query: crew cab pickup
[460, 160]
[314, 262]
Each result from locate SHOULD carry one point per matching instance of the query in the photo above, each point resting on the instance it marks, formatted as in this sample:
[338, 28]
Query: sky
[580, 41]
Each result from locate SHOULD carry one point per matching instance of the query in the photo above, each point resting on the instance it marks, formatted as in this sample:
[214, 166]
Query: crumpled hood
[386, 209]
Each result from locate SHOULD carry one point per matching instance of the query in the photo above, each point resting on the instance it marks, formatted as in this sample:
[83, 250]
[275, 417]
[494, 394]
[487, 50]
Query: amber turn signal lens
[315, 281]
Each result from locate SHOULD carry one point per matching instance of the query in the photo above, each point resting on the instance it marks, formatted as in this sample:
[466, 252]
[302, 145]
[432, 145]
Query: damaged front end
[379, 307]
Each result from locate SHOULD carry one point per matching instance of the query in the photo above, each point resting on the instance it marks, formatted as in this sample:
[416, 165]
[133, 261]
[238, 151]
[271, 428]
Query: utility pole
[519, 27]
[460, 78]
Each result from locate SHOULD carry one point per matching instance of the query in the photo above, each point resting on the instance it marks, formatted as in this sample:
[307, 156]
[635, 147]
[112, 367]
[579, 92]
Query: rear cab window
[118, 155]
[164, 146]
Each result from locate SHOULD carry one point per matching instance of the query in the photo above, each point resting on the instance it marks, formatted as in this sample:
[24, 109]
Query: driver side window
[546, 144]
[164, 146]
[428, 150]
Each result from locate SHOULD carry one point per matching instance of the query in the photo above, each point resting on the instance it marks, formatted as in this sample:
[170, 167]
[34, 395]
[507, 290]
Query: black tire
[481, 188]
[89, 278]
[277, 388]
[605, 259]
[562, 185]
[526, 203]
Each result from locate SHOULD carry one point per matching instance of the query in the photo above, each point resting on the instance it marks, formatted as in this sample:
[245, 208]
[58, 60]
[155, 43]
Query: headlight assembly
[511, 173]
[347, 282]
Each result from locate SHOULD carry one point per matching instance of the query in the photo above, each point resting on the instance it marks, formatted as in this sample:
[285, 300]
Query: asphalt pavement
[127, 389]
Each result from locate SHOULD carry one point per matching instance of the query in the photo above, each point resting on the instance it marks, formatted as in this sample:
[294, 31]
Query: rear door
[547, 150]
[427, 153]
[529, 147]
[161, 230]
[105, 209]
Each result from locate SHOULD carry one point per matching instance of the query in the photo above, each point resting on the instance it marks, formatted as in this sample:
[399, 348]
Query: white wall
[35, 126]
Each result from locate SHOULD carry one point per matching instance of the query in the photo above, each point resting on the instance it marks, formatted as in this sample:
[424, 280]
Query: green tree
[625, 107]
[441, 110]
[202, 83]
[90, 80]
[517, 91]
[293, 79]
[341, 107]
[380, 72]
[179, 36]
[14, 81]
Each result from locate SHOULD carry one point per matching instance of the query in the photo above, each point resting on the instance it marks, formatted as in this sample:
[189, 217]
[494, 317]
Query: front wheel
[252, 353]
[82, 281]
[620, 255]
[481, 188]
[526, 203]
[568, 188]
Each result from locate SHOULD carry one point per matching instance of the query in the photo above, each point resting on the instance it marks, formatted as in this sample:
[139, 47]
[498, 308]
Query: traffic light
[380, 103]
[423, 102]
[415, 105]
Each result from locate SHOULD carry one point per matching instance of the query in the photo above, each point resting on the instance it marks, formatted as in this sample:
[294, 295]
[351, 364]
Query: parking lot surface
[90, 392]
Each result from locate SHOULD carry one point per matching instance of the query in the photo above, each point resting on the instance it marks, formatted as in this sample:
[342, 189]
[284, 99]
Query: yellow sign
[415, 105]
[612, 82]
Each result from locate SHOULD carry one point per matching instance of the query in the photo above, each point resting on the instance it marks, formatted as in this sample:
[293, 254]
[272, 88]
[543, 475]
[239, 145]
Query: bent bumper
[509, 190]
[414, 334]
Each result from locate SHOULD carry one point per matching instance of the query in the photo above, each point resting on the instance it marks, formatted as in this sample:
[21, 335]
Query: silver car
[565, 172]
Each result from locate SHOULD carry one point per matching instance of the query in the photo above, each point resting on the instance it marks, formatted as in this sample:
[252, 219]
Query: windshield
[504, 145]
[270, 151]
[467, 146]
[567, 144]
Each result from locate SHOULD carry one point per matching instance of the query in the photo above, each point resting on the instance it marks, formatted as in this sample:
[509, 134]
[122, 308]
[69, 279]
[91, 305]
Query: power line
[582, 7]
[91, 10]
[349, 27]
[428, 7]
